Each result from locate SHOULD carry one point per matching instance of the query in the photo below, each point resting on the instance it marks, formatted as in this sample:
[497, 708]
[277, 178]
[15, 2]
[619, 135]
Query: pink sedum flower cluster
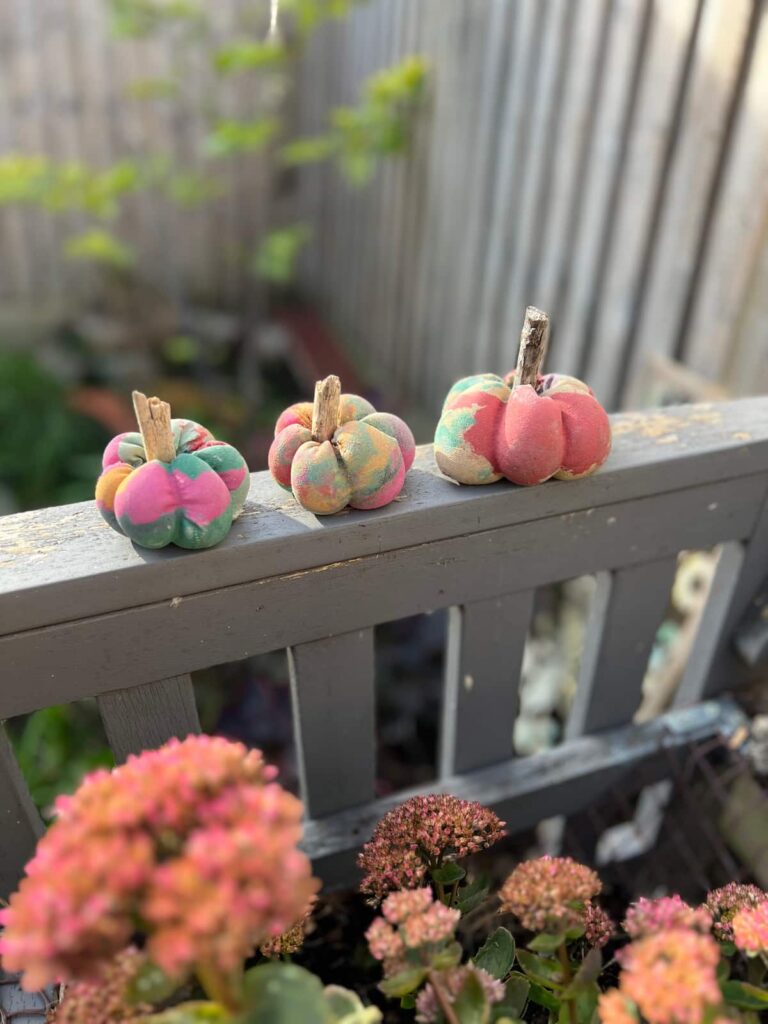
[598, 926]
[195, 841]
[646, 917]
[412, 922]
[419, 834]
[427, 1006]
[103, 1000]
[541, 893]
[725, 903]
[750, 929]
[668, 977]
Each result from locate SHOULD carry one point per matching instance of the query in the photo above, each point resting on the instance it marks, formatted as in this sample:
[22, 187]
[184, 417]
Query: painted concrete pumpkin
[339, 451]
[526, 427]
[186, 493]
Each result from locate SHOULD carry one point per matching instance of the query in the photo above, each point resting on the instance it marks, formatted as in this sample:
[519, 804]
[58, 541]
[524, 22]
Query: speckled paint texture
[363, 465]
[190, 502]
[489, 431]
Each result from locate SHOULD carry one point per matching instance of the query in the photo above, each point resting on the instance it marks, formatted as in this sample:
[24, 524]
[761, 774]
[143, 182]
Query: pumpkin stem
[533, 346]
[154, 418]
[325, 411]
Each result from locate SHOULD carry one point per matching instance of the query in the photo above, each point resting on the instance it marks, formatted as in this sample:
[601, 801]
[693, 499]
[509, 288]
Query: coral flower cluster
[419, 834]
[725, 903]
[750, 929]
[669, 977]
[195, 841]
[549, 893]
[412, 921]
[646, 917]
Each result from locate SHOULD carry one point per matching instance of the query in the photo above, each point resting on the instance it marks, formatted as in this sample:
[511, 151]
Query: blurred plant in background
[356, 139]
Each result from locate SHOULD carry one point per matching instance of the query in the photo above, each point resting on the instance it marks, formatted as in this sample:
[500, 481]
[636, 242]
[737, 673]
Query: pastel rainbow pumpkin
[340, 452]
[529, 431]
[189, 499]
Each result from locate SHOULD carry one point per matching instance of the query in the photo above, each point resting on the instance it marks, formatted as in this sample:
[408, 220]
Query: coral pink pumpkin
[525, 427]
[340, 452]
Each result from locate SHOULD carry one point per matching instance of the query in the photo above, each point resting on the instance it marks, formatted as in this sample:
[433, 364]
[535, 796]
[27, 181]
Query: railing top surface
[64, 563]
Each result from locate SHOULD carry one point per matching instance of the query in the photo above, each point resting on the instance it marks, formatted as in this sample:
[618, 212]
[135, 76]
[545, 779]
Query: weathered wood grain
[66, 563]
[145, 717]
[486, 640]
[141, 643]
[20, 824]
[332, 686]
[526, 790]
[627, 609]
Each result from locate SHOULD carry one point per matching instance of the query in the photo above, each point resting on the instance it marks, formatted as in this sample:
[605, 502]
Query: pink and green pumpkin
[489, 430]
[363, 465]
[190, 501]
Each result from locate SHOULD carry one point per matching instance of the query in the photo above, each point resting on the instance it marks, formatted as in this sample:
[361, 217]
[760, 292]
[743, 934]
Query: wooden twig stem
[154, 419]
[325, 411]
[533, 346]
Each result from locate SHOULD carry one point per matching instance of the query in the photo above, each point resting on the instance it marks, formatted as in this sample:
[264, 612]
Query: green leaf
[542, 997]
[471, 1005]
[232, 136]
[497, 954]
[404, 983]
[347, 1007]
[99, 246]
[545, 943]
[516, 993]
[744, 996]
[589, 971]
[586, 1003]
[191, 1013]
[544, 972]
[276, 257]
[447, 958]
[408, 1002]
[248, 55]
[465, 904]
[309, 150]
[448, 873]
[150, 985]
[282, 993]
[723, 971]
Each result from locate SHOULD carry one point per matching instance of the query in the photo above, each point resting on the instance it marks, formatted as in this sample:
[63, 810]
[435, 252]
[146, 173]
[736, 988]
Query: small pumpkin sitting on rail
[526, 427]
[172, 483]
[339, 451]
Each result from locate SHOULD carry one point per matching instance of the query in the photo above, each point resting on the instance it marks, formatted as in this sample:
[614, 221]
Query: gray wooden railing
[85, 614]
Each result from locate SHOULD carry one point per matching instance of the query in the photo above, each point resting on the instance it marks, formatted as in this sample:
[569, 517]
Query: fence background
[604, 159]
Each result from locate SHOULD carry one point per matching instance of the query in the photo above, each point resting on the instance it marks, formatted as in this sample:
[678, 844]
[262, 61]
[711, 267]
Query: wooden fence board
[145, 717]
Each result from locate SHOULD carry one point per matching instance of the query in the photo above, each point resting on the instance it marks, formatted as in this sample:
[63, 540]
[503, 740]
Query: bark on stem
[442, 998]
[325, 411]
[533, 346]
[154, 419]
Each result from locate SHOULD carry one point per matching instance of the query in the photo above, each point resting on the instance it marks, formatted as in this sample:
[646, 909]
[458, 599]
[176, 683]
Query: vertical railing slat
[332, 686]
[145, 717]
[741, 570]
[20, 823]
[627, 610]
[486, 640]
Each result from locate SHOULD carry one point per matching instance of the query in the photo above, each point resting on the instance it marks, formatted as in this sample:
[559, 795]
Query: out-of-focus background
[219, 201]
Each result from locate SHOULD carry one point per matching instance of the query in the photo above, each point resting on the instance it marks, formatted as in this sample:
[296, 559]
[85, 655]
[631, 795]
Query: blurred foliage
[48, 451]
[357, 138]
[55, 748]
[380, 126]
[100, 246]
[276, 257]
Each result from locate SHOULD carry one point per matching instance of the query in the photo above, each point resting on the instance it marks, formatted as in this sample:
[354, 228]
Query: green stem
[565, 963]
[222, 988]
